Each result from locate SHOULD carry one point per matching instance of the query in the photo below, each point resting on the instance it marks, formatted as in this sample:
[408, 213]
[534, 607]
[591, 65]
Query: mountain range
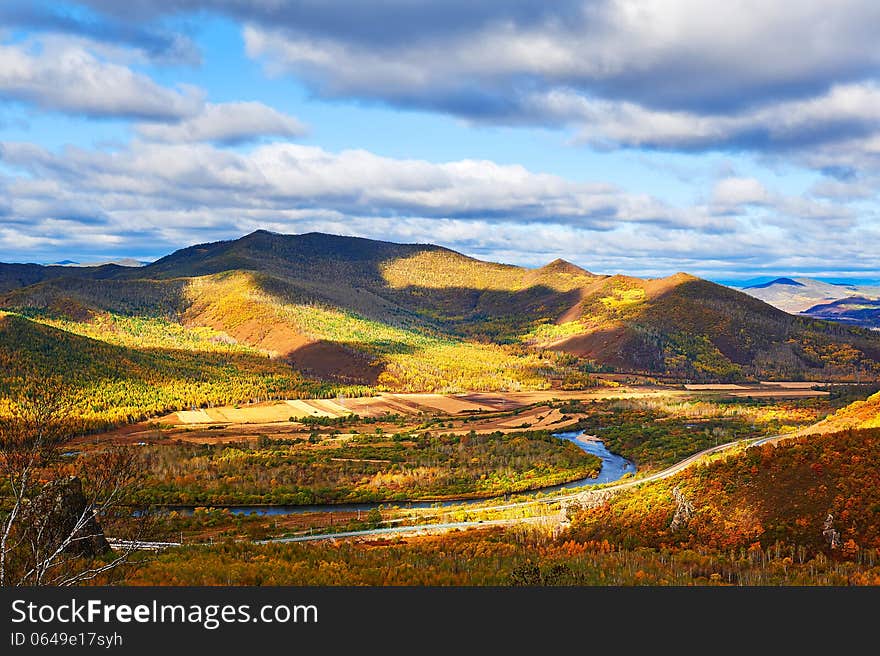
[846, 303]
[126, 261]
[314, 312]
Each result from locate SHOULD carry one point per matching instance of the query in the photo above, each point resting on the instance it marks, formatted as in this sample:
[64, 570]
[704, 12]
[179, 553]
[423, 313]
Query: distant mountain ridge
[125, 261]
[822, 300]
[421, 317]
[778, 281]
[854, 310]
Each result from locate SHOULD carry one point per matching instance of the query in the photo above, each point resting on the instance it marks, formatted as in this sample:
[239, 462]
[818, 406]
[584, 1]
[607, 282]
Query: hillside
[854, 310]
[112, 383]
[691, 328]
[15, 276]
[352, 311]
[765, 496]
[859, 414]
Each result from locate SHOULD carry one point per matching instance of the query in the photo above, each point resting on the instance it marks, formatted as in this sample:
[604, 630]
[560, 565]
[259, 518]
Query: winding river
[613, 468]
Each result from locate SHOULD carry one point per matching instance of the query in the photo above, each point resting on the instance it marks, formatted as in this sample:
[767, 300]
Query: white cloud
[787, 78]
[285, 176]
[793, 78]
[228, 123]
[844, 111]
[734, 192]
[64, 75]
[670, 55]
[150, 198]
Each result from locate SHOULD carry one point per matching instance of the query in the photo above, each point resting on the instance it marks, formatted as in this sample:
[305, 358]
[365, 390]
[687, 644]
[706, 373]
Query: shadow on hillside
[498, 314]
[620, 347]
[349, 273]
[81, 298]
[341, 362]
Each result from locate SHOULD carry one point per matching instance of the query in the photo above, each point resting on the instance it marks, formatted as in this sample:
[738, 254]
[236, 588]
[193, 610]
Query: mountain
[127, 372]
[14, 276]
[855, 310]
[851, 304]
[768, 496]
[345, 311]
[778, 281]
[125, 261]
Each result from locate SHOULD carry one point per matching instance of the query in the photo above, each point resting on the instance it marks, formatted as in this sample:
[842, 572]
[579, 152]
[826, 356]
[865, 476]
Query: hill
[778, 281]
[351, 311]
[112, 383]
[852, 304]
[859, 414]
[772, 496]
[854, 310]
[691, 328]
[14, 276]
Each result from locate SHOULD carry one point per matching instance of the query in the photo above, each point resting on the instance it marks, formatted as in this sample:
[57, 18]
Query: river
[613, 468]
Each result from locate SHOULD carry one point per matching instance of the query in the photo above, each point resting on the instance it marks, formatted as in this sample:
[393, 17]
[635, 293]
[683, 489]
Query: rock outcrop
[684, 510]
[61, 512]
[829, 532]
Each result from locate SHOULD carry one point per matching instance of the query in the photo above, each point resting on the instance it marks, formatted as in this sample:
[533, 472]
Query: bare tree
[57, 502]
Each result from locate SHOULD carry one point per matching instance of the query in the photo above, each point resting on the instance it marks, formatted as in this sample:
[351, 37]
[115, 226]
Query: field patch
[193, 417]
[301, 409]
[446, 404]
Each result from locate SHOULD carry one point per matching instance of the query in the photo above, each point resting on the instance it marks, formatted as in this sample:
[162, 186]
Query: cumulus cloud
[152, 197]
[62, 74]
[159, 45]
[685, 55]
[735, 192]
[226, 123]
[77, 75]
[783, 78]
[285, 176]
[786, 77]
[844, 113]
[845, 191]
[672, 54]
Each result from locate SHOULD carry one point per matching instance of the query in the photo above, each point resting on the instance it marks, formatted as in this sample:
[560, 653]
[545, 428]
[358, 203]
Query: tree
[56, 502]
[374, 517]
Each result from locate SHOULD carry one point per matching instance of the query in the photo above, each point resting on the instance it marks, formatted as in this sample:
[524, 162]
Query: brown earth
[617, 346]
[318, 358]
[483, 412]
[332, 361]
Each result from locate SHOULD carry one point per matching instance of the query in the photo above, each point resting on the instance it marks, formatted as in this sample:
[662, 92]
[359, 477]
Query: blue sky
[635, 136]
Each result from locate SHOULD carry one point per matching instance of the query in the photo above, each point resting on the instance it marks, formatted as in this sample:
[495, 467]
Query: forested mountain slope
[353, 311]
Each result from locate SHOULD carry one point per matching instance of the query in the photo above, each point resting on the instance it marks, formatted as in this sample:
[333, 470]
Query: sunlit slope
[271, 318]
[422, 317]
[134, 368]
[768, 495]
[392, 282]
[685, 326]
[859, 414]
[336, 308]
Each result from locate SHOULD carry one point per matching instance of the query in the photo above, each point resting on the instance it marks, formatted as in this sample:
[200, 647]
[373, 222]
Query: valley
[434, 447]
[399, 398]
[769, 531]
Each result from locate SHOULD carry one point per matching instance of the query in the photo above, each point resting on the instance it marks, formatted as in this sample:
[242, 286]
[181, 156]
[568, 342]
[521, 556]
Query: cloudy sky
[730, 140]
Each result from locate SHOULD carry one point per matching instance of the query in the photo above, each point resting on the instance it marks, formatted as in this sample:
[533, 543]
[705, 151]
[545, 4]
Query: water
[613, 468]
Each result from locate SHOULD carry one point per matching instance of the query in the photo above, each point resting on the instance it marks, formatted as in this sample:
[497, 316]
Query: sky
[735, 141]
